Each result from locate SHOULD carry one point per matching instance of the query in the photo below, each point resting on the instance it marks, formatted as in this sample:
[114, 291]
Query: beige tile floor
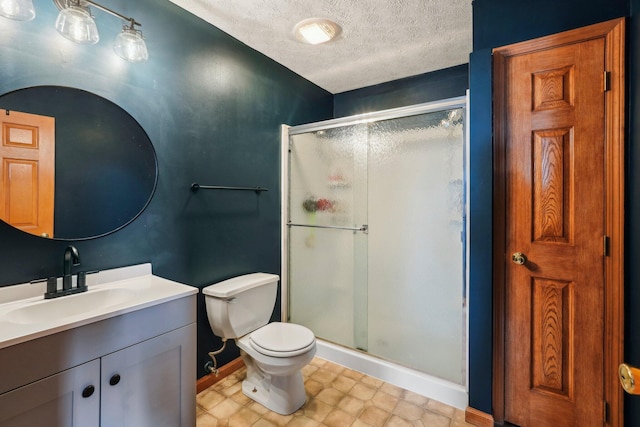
[336, 397]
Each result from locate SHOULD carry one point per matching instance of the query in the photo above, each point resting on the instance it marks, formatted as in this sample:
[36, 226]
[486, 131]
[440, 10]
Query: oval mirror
[73, 165]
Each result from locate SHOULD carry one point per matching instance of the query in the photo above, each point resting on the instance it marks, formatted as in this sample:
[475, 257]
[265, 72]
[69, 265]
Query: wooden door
[553, 124]
[27, 171]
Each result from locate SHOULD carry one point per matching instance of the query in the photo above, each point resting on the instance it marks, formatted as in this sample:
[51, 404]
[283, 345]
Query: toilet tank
[241, 304]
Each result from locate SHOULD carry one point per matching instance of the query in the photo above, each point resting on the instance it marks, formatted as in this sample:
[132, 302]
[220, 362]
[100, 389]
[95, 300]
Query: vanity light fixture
[316, 30]
[76, 23]
[20, 10]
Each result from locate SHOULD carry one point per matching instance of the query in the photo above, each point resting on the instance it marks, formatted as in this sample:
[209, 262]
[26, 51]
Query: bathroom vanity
[120, 354]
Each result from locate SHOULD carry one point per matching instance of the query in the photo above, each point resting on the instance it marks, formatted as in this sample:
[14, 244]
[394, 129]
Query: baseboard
[224, 371]
[478, 418]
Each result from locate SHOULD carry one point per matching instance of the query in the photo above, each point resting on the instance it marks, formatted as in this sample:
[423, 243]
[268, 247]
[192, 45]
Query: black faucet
[71, 257]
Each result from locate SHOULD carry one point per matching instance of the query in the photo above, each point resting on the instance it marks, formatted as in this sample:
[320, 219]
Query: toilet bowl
[274, 353]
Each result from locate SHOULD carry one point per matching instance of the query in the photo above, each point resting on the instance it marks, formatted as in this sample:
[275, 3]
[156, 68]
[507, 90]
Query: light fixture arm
[62, 4]
[112, 12]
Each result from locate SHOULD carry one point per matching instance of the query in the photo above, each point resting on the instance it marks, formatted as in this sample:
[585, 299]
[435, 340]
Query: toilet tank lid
[230, 287]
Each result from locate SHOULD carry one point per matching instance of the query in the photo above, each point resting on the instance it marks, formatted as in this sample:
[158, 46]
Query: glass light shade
[76, 24]
[130, 45]
[20, 10]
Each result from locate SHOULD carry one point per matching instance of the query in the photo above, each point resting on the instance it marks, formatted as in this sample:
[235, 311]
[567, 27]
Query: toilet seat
[280, 339]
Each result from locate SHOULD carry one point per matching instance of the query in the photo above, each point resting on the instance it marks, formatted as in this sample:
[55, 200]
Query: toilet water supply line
[213, 367]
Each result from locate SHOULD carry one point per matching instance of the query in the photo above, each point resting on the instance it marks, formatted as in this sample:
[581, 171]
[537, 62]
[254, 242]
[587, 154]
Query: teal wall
[212, 108]
[435, 86]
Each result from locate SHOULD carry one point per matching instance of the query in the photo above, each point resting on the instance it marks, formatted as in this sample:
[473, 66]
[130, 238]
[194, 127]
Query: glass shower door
[376, 254]
[328, 233]
[416, 244]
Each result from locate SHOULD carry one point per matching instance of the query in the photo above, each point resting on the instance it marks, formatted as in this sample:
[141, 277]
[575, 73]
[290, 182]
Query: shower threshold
[409, 379]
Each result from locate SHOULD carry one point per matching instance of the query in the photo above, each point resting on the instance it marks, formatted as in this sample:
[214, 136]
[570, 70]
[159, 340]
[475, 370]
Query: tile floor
[336, 397]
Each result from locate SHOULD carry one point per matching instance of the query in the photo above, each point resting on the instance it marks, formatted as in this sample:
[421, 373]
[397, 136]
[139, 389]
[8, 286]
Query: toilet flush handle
[230, 300]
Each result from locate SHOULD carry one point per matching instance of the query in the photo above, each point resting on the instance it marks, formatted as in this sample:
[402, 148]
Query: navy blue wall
[212, 108]
[434, 86]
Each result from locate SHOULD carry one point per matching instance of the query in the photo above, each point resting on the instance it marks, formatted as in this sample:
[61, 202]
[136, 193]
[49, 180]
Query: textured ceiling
[381, 40]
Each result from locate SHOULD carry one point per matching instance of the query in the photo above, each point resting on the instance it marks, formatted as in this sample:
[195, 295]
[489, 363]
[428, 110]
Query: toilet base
[283, 395]
[274, 382]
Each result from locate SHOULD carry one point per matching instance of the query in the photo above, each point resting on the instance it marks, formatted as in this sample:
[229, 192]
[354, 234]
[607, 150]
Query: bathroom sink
[68, 306]
[25, 314]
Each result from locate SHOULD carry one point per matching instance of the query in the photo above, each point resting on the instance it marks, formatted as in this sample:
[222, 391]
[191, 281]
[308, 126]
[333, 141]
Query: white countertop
[26, 315]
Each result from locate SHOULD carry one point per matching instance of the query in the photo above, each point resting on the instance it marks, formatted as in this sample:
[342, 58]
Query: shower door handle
[364, 228]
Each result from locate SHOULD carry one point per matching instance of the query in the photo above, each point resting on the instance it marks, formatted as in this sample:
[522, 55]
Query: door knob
[628, 376]
[518, 258]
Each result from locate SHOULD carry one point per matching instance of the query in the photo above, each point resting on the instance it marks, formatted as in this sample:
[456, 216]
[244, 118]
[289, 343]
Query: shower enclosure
[375, 235]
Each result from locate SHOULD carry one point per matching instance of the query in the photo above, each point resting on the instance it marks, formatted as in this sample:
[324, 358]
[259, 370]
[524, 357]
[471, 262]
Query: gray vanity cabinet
[145, 385]
[56, 400]
[132, 370]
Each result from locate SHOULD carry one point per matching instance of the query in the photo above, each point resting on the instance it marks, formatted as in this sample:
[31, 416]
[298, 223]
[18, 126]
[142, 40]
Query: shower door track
[393, 113]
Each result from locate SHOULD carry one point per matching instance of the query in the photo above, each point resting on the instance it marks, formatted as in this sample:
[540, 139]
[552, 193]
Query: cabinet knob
[88, 391]
[115, 379]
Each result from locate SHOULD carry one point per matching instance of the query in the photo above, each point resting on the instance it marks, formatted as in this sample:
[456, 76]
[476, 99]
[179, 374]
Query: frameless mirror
[72, 159]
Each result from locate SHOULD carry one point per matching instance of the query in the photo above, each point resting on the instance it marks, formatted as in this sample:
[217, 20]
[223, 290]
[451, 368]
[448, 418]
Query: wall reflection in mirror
[73, 165]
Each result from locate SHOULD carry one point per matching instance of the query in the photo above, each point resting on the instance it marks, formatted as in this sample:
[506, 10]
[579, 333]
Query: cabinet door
[151, 384]
[70, 398]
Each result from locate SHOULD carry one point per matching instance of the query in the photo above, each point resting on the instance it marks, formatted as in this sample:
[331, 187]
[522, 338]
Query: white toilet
[274, 353]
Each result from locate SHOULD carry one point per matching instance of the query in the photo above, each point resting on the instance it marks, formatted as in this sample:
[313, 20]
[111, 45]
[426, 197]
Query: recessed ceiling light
[316, 30]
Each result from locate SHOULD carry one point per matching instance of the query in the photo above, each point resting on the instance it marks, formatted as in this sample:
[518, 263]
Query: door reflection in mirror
[27, 172]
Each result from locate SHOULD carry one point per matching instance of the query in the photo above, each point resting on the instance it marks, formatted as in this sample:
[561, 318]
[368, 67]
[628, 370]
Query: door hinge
[607, 80]
[605, 245]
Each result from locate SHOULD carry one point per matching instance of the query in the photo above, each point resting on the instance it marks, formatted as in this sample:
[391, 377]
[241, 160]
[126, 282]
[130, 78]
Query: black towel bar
[195, 187]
